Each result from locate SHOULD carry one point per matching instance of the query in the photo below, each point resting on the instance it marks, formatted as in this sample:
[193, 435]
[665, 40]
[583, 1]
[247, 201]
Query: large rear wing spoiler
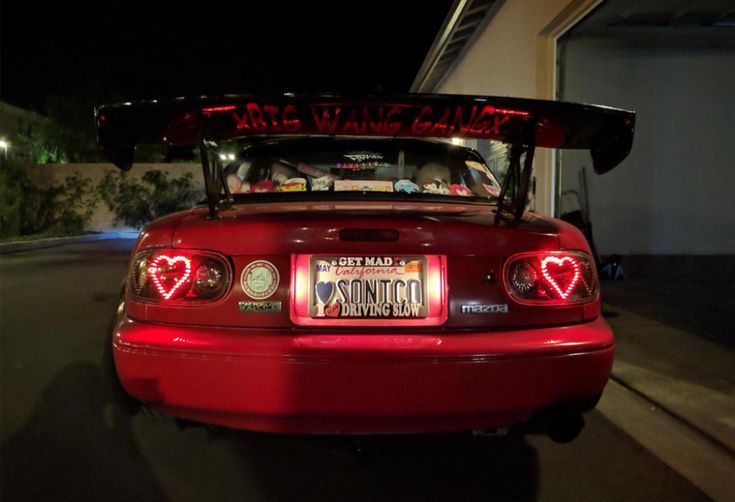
[524, 123]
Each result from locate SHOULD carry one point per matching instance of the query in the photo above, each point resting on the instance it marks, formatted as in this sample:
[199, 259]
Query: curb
[676, 416]
[17, 247]
[688, 452]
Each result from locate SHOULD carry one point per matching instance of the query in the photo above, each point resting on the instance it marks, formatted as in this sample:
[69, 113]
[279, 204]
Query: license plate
[367, 287]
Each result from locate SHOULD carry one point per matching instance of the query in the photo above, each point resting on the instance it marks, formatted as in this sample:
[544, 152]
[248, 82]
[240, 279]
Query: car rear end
[482, 324]
[341, 284]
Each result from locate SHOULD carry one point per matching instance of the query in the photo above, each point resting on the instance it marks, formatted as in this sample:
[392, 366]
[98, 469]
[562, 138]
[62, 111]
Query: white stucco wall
[676, 191]
[514, 56]
[45, 175]
[502, 61]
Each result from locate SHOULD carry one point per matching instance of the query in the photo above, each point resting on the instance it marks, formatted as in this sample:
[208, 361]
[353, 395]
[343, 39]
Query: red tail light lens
[551, 278]
[175, 276]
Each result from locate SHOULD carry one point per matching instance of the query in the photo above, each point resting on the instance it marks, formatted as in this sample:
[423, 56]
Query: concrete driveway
[63, 439]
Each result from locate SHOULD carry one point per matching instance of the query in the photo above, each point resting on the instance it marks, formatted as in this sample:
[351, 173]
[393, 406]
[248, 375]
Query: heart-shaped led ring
[560, 263]
[153, 270]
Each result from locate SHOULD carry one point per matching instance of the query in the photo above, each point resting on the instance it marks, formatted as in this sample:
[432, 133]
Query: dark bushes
[66, 208]
[61, 209]
[136, 203]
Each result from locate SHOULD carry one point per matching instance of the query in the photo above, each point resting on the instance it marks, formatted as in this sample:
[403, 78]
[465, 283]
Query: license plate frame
[397, 299]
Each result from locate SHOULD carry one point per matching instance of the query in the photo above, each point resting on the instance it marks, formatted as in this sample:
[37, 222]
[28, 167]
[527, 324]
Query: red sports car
[349, 275]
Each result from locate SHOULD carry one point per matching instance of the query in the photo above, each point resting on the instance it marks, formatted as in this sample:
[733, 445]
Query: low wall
[45, 175]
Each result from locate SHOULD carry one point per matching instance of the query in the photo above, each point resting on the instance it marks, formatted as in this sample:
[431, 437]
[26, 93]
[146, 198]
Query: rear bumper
[307, 382]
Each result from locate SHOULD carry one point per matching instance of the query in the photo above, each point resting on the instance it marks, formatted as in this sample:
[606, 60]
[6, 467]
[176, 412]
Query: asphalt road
[63, 439]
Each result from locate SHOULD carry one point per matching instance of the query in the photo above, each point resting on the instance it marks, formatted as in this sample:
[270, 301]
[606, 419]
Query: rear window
[404, 168]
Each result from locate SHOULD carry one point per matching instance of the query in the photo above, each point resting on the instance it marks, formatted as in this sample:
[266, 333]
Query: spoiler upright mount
[523, 123]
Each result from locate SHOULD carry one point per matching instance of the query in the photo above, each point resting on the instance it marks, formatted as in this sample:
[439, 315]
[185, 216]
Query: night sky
[131, 50]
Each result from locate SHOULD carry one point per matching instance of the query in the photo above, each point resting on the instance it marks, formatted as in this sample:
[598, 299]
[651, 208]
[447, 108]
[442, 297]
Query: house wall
[515, 55]
[674, 193]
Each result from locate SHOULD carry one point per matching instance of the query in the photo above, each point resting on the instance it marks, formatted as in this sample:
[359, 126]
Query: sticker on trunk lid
[259, 279]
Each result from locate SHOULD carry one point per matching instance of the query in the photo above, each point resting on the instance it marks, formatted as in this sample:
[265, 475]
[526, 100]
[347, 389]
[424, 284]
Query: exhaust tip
[561, 423]
[564, 426]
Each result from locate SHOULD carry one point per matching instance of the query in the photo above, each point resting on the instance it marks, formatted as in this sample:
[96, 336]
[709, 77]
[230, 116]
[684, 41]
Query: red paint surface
[469, 236]
[278, 371]
[312, 381]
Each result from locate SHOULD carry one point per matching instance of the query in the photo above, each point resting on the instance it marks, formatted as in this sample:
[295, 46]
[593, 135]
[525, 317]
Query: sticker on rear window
[362, 186]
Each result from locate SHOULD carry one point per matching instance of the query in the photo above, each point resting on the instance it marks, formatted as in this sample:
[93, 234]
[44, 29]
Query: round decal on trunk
[259, 279]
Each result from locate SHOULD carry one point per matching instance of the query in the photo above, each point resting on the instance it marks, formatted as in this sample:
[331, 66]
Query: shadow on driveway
[78, 445]
[404, 467]
[75, 446]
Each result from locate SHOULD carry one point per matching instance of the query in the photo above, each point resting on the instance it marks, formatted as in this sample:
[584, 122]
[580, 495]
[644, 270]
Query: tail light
[551, 278]
[176, 276]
